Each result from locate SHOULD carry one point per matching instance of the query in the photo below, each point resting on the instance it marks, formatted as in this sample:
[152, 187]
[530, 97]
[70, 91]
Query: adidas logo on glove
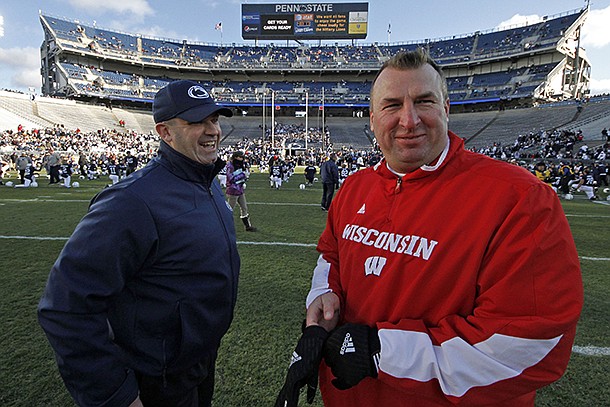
[294, 359]
[348, 345]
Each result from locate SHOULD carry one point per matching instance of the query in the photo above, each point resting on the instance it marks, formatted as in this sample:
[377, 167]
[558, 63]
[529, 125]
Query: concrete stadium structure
[520, 66]
[502, 83]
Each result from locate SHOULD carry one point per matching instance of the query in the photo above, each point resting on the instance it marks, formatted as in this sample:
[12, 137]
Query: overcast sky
[194, 20]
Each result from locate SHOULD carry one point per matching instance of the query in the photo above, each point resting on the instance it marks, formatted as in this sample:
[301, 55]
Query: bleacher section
[500, 82]
[478, 128]
[482, 67]
[504, 126]
[19, 109]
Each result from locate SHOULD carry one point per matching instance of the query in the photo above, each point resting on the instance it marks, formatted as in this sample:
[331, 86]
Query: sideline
[42, 238]
[49, 199]
[595, 258]
[591, 350]
[249, 243]
[586, 216]
[582, 350]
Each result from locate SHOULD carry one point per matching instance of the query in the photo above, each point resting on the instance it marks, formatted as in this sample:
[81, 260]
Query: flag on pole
[218, 26]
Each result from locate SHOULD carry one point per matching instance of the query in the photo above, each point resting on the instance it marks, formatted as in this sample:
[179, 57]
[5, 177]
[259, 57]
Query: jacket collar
[186, 168]
[455, 144]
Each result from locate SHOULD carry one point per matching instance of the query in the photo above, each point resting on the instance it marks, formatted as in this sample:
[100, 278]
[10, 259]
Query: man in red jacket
[444, 276]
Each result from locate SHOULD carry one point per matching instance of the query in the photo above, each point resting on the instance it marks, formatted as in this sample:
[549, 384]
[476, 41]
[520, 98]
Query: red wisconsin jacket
[470, 273]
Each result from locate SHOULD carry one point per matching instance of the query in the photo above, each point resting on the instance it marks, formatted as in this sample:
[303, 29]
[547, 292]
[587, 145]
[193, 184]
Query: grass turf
[274, 281]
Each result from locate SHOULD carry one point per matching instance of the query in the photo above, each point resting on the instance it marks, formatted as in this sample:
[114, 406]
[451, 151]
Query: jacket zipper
[219, 214]
[397, 189]
[163, 373]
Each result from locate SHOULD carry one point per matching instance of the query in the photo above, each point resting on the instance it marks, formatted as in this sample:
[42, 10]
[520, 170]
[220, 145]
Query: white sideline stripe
[278, 244]
[583, 350]
[587, 216]
[44, 200]
[32, 238]
[88, 200]
[595, 258]
[591, 350]
[282, 204]
[239, 242]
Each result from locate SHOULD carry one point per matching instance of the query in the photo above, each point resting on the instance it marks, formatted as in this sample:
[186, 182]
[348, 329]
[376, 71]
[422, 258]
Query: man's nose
[211, 128]
[409, 118]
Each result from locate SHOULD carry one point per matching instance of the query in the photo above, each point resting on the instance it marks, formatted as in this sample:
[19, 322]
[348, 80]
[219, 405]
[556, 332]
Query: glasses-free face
[197, 141]
[409, 116]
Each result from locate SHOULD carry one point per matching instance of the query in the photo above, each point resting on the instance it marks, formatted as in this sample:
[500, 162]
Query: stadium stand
[510, 67]
[478, 128]
[523, 82]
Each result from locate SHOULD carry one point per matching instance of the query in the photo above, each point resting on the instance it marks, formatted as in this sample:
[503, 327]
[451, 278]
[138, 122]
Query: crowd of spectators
[84, 151]
[557, 145]
[91, 153]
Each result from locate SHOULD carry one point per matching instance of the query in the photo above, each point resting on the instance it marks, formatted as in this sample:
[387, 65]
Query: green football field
[277, 262]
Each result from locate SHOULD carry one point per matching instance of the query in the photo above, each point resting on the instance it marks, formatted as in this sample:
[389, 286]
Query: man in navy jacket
[330, 180]
[145, 288]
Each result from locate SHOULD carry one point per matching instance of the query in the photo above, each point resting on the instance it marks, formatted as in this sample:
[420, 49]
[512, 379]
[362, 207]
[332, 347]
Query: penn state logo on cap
[187, 100]
[198, 92]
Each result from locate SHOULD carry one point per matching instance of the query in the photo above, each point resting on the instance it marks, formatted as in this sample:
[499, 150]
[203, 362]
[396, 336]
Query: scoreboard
[304, 21]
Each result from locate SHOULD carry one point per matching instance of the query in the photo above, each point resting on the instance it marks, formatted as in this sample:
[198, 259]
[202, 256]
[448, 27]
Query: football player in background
[65, 172]
[586, 183]
[310, 173]
[114, 171]
[276, 172]
[29, 177]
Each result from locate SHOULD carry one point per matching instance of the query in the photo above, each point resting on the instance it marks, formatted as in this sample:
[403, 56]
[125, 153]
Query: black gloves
[303, 368]
[352, 353]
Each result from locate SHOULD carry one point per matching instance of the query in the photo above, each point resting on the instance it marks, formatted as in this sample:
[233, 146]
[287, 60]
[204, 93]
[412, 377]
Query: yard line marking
[283, 204]
[238, 242]
[249, 243]
[278, 244]
[591, 350]
[583, 350]
[44, 200]
[88, 200]
[33, 238]
[249, 203]
[587, 216]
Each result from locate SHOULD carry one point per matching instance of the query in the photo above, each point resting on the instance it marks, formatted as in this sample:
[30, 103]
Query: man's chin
[206, 159]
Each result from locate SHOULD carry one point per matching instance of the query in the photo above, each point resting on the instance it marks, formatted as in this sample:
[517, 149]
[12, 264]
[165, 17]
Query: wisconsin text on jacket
[412, 245]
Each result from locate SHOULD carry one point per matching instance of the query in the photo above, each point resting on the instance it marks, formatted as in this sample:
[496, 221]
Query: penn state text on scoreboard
[307, 21]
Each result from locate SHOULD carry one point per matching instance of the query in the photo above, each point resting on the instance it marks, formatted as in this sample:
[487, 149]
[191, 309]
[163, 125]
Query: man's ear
[163, 131]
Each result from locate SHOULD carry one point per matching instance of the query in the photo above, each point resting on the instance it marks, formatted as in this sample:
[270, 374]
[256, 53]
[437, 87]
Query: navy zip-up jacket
[147, 281]
[329, 172]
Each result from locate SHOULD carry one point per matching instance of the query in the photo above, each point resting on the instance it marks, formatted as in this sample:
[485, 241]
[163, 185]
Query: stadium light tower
[264, 122]
[306, 118]
[323, 126]
[272, 119]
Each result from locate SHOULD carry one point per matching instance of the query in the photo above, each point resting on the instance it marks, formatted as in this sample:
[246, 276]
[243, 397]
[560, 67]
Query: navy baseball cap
[187, 100]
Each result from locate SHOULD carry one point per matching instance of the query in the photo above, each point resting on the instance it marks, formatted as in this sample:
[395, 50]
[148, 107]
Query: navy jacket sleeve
[90, 270]
[335, 173]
